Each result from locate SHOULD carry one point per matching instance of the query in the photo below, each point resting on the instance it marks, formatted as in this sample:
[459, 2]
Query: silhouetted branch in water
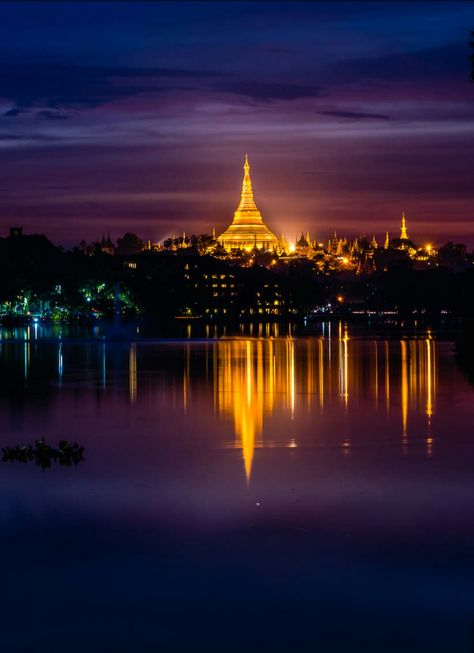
[44, 455]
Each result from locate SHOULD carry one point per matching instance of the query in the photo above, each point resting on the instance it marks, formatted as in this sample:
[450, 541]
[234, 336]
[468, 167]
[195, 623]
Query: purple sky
[136, 117]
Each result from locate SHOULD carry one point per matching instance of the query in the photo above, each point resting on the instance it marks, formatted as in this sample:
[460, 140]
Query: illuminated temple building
[404, 242]
[247, 230]
[248, 237]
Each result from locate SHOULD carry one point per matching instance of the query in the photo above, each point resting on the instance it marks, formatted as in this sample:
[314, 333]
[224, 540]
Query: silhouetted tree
[128, 245]
[453, 255]
[201, 242]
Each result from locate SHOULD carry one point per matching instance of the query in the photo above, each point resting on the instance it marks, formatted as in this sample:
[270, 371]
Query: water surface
[239, 494]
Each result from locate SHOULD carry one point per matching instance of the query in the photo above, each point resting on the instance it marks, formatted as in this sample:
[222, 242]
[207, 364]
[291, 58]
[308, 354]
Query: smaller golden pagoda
[404, 242]
[247, 229]
[403, 230]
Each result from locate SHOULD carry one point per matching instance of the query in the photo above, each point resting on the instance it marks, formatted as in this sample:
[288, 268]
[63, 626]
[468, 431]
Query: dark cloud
[355, 115]
[270, 91]
[30, 137]
[51, 114]
[72, 86]
[12, 113]
[429, 64]
[48, 114]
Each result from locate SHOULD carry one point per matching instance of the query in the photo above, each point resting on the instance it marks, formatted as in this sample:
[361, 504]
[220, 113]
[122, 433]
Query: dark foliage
[168, 284]
[129, 245]
[44, 455]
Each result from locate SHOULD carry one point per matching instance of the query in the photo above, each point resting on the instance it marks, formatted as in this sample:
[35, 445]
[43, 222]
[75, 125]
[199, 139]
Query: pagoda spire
[403, 230]
[246, 198]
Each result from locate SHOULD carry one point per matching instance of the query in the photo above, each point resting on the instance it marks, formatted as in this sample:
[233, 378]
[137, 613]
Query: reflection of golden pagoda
[247, 229]
[258, 377]
[246, 390]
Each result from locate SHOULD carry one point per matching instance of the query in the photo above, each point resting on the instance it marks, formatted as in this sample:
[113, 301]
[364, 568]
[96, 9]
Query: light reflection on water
[251, 378]
[332, 473]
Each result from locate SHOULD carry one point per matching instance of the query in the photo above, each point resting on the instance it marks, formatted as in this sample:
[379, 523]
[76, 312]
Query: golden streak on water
[404, 389]
[255, 378]
[429, 384]
[258, 377]
[292, 376]
[132, 372]
[376, 375]
[387, 377]
[413, 373]
[321, 373]
[343, 364]
[186, 378]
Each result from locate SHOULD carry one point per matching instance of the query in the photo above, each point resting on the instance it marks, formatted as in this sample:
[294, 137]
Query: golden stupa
[247, 229]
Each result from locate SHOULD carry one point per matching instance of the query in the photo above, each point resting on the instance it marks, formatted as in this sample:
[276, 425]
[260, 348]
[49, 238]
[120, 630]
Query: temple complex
[248, 240]
[247, 230]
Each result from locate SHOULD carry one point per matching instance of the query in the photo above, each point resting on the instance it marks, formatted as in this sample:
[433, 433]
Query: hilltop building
[247, 230]
[106, 245]
[304, 247]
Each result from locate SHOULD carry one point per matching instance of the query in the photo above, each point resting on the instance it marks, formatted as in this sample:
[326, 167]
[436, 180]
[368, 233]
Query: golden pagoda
[404, 242]
[247, 229]
[403, 230]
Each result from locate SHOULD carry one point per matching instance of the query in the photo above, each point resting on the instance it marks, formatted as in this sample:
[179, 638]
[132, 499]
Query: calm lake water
[238, 494]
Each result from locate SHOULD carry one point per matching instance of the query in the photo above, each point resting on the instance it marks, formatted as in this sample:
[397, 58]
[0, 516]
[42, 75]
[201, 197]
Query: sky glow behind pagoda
[351, 113]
